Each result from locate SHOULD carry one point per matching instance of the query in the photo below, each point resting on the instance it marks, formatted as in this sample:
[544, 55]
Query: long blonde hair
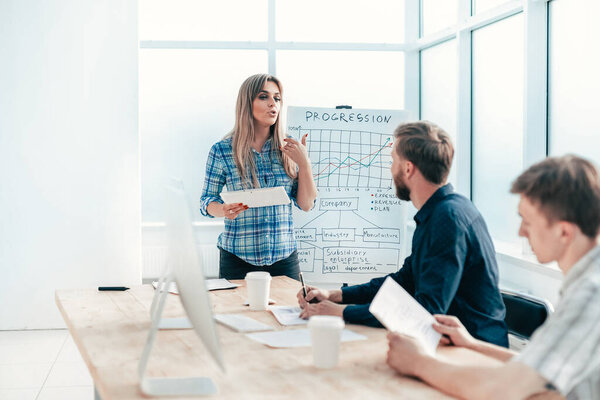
[243, 131]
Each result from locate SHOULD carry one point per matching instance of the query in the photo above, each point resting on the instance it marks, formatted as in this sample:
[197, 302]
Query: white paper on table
[262, 197]
[211, 284]
[288, 315]
[399, 312]
[218, 284]
[296, 337]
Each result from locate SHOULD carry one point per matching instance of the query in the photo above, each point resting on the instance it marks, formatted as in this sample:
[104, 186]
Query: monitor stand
[189, 386]
[167, 323]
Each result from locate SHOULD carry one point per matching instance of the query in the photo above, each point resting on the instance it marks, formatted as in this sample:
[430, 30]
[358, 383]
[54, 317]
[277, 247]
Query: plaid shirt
[262, 235]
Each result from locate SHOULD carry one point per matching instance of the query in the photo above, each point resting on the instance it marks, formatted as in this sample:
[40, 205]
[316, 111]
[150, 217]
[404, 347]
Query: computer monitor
[184, 268]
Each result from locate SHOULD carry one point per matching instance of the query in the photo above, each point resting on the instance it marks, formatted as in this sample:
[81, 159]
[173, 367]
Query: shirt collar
[430, 204]
[580, 268]
[266, 147]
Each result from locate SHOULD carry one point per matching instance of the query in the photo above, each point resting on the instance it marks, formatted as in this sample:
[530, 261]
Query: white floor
[42, 365]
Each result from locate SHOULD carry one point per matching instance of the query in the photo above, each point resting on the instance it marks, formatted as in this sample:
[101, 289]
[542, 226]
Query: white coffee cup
[325, 335]
[258, 285]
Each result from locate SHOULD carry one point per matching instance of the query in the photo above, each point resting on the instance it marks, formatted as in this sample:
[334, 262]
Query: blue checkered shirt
[262, 235]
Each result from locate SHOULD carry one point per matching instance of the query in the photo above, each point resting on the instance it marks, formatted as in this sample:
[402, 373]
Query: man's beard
[402, 191]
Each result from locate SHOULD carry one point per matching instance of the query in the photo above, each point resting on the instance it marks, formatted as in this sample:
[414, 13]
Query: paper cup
[325, 335]
[258, 285]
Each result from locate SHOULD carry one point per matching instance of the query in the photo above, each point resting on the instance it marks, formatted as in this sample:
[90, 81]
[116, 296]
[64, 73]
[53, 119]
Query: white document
[218, 284]
[242, 323]
[262, 197]
[288, 315]
[296, 337]
[211, 284]
[399, 312]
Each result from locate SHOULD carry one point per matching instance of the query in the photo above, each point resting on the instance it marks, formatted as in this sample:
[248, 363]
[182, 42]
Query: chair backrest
[524, 313]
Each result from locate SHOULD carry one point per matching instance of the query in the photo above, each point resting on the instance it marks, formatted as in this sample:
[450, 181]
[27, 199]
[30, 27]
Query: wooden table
[110, 330]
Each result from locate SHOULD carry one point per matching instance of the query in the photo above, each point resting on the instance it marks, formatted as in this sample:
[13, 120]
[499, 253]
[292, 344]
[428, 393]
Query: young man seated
[452, 267]
[560, 211]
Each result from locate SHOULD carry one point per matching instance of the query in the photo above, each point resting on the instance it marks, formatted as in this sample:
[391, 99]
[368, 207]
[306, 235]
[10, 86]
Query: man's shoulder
[456, 207]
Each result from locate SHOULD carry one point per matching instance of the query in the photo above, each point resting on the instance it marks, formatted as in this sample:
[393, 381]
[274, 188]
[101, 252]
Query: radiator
[154, 260]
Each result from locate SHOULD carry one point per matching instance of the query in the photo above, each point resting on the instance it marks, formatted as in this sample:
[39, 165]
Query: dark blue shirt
[452, 270]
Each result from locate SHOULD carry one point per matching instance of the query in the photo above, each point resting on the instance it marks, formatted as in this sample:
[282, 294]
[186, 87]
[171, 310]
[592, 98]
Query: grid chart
[347, 158]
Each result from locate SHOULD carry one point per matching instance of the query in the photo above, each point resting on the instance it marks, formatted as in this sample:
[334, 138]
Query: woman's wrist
[215, 209]
[305, 165]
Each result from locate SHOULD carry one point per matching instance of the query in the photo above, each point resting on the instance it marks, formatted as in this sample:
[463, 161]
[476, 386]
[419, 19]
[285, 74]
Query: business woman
[257, 154]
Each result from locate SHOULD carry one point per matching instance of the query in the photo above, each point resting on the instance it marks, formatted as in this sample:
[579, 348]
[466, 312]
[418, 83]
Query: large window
[480, 6]
[185, 20]
[527, 87]
[343, 77]
[376, 21]
[439, 89]
[437, 15]
[194, 56]
[187, 102]
[497, 104]
[574, 81]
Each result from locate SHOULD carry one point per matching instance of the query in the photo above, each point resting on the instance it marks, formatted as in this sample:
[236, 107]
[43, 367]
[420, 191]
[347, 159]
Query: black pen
[304, 289]
[303, 286]
[112, 288]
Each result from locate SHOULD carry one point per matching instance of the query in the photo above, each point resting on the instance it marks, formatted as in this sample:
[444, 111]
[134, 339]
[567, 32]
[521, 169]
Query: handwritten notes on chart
[399, 312]
[355, 231]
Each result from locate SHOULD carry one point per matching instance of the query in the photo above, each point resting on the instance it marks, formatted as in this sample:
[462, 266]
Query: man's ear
[566, 231]
[409, 169]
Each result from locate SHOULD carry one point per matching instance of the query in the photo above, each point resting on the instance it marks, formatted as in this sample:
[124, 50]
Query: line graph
[347, 158]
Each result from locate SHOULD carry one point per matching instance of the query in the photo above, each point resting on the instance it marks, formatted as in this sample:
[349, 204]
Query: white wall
[69, 153]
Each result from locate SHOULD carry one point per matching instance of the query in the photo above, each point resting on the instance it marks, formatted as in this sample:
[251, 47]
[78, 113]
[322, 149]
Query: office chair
[524, 314]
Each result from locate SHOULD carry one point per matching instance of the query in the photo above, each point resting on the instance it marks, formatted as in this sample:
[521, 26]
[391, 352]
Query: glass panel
[326, 79]
[480, 6]
[187, 103]
[439, 90]
[497, 104]
[438, 14]
[376, 21]
[203, 20]
[574, 82]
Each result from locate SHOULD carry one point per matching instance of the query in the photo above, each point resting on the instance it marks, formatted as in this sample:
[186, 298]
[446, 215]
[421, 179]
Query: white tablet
[262, 197]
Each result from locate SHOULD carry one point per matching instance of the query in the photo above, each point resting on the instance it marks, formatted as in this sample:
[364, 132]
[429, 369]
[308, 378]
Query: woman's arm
[230, 211]
[307, 190]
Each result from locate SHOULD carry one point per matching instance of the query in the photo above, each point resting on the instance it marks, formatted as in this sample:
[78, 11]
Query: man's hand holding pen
[315, 301]
[313, 295]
